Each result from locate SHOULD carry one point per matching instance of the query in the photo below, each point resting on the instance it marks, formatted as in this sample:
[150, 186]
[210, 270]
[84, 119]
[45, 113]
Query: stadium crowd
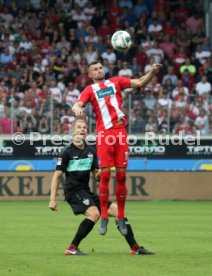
[45, 47]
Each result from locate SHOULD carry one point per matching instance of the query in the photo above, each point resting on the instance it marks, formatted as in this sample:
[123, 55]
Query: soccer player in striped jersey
[112, 148]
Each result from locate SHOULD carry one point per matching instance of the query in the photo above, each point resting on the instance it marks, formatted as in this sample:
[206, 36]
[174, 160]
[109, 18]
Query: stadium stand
[45, 47]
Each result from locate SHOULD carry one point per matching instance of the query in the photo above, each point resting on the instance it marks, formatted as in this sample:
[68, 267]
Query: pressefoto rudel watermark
[148, 138]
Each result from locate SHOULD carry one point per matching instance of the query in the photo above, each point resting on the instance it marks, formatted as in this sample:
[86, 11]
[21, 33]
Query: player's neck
[97, 81]
[79, 144]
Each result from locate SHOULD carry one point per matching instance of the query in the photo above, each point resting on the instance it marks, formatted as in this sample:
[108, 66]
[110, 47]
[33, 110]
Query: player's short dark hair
[93, 63]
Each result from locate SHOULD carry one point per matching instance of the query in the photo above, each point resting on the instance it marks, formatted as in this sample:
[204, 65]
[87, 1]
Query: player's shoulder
[66, 150]
[87, 88]
[114, 79]
[91, 148]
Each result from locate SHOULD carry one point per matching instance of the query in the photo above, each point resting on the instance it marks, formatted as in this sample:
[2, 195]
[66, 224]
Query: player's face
[80, 130]
[96, 72]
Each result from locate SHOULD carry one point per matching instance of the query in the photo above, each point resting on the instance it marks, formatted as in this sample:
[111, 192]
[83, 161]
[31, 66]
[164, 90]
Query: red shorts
[112, 147]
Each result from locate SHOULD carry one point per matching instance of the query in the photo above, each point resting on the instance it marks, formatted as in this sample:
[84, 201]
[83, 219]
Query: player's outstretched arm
[78, 109]
[146, 78]
[54, 187]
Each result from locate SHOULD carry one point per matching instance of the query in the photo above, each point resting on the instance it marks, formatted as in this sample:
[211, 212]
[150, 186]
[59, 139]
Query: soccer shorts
[112, 147]
[82, 200]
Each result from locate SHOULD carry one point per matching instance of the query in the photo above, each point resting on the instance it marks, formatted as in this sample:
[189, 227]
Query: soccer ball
[121, 41]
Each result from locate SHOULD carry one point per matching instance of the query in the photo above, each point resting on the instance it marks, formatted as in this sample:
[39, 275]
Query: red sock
[135, 246]
[104, 193]
[121, 192]
[72, 246]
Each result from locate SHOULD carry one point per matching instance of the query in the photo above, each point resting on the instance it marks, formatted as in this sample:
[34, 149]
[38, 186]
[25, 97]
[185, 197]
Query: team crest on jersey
[59, 161]
[90, 155]
[108, 91]
[86, 201]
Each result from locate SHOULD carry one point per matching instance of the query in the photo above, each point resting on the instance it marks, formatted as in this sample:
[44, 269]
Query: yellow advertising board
[140, 186]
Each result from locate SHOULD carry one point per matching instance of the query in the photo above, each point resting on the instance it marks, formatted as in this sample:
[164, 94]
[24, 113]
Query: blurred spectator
[89, 10]
[170, 29]
[201, 122]
[194, 22]
[138, 126]
[165, 100]
[155, 52]
[43, 126]
[188, 81]
[126, 4]
[109, 55]
[179, 89]
[149, 100]
[151, 126]
[71, 94]
[201, 55]
[30, 127]
[170, 75]
[7, 123]
[189, 128]
[45, 47]
[92, 37]
[104, 29]
[188, 66]
[183, 40]
[140, 9]
[141, 57]
[90, 54]
[168, 87]
[6, 56]
[55, 92]
[181, 12]
[168, 46]
[135, 67]
[126, 71]
[155, 27]
[79, 16]
[203, 87]
[179, 59]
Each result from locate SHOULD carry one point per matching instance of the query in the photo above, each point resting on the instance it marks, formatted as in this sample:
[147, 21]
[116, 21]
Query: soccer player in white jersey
[112, 147]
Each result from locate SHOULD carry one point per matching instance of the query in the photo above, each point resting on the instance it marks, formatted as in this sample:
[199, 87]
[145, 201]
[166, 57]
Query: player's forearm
[146, 78]
[54, 187]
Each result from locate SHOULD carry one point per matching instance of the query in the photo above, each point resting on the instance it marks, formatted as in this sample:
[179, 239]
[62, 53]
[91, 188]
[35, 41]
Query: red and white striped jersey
[106, 100]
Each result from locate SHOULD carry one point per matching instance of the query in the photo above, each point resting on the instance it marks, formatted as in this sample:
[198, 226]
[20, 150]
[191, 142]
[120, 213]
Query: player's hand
[78, 112]
[98, 174]
[53, 205]
[156, 67]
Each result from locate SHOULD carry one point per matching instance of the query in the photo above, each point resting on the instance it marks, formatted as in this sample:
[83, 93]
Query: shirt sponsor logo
[80, 165]
[108, 91]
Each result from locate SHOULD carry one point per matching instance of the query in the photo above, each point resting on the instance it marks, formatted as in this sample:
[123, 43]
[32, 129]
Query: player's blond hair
[77, 121]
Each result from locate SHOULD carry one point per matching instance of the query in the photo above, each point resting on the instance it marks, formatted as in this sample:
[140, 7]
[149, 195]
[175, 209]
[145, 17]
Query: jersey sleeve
[84, 97]
[62, 161]
[124, 82]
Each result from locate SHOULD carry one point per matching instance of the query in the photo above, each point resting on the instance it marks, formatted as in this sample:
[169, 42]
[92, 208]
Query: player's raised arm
[146, 78]
[54, 187]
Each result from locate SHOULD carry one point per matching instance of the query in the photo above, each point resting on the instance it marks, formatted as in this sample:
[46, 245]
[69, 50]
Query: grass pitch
[33, 240]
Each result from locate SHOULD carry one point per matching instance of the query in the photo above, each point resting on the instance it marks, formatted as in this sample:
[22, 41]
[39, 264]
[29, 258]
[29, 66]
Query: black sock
[84, 229]
[130, 236]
